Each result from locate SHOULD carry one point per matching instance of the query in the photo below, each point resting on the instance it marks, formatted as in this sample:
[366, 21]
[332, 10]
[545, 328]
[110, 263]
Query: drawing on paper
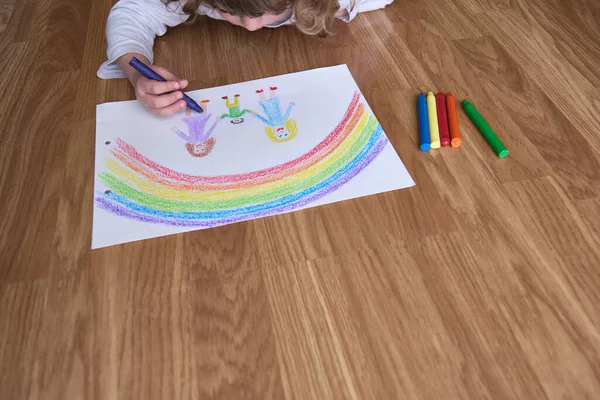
[233, 110]
[199, 142]
[147, 186]
[279, 127]
[143, 190]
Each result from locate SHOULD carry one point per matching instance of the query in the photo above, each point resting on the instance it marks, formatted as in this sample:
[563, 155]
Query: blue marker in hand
[150, 74]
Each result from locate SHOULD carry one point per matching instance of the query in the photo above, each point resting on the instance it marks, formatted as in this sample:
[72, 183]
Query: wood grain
[6, 9]
[482, 281]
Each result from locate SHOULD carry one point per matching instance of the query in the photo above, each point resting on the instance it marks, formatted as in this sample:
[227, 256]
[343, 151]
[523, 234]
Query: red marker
[440, 100]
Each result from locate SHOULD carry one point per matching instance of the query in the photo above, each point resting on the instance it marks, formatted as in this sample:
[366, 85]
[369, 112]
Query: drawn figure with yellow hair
[279, 127]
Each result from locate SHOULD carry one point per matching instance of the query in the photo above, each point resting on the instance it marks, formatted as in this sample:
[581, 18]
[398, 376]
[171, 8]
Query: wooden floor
[481, 282]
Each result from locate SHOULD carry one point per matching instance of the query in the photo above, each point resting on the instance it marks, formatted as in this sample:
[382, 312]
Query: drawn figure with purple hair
[199, 143]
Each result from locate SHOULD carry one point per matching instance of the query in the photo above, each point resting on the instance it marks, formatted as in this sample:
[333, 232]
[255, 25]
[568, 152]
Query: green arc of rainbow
[144, 190]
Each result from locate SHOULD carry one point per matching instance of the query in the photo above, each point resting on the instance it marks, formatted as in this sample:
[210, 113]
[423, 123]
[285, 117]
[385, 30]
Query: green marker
[485, 129]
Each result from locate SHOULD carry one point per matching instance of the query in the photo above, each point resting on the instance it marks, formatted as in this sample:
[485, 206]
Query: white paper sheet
[150, 181]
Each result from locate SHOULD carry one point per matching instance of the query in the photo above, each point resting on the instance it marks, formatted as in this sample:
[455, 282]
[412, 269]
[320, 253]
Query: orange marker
[452, 120]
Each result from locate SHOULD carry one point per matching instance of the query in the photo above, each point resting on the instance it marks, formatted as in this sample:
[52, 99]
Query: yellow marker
[434, 130]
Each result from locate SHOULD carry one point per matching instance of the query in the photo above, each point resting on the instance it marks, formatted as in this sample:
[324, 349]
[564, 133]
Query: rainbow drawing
[140, 189]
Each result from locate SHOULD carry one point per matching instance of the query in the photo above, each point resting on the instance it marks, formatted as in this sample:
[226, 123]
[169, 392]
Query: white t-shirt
[133, 25]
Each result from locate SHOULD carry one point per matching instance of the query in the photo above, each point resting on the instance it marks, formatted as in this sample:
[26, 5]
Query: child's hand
[160, 98]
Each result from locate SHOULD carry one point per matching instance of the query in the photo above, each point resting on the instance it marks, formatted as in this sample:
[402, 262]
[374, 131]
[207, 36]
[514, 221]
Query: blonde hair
[313, 17]
[290, 125]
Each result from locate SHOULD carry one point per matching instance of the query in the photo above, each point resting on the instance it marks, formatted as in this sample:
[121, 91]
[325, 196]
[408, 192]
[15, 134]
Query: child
[234, 110]
[134, 24]
[199, 143]
[280, 128]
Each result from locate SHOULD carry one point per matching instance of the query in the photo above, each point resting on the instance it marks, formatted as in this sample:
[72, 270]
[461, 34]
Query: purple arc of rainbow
[124, 207]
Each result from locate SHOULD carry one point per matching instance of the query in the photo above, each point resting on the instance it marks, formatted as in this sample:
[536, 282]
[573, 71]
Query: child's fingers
[165, 73]
[154, 87]
[182, 83]
[162, 100]
[169, 110]
[170, 76]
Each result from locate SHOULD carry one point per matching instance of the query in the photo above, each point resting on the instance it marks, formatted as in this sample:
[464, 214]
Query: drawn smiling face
[281, 133]
[201, 149]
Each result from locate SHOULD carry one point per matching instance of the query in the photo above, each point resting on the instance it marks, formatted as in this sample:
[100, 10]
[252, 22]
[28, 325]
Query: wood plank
[479, 282]
[62, 45]
[32, 190]
[545, 141]
[532, 47]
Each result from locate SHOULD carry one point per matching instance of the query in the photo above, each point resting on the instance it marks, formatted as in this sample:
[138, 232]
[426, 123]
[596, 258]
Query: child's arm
[130, 31]
[261, 118]
[182, 135]
[245, 111]
[288, 111]
[132, 27]
[350, 8]
[211, 129]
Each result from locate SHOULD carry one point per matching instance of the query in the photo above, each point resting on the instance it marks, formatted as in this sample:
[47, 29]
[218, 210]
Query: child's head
[283, 133]
[201, 149]
[313, 17]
